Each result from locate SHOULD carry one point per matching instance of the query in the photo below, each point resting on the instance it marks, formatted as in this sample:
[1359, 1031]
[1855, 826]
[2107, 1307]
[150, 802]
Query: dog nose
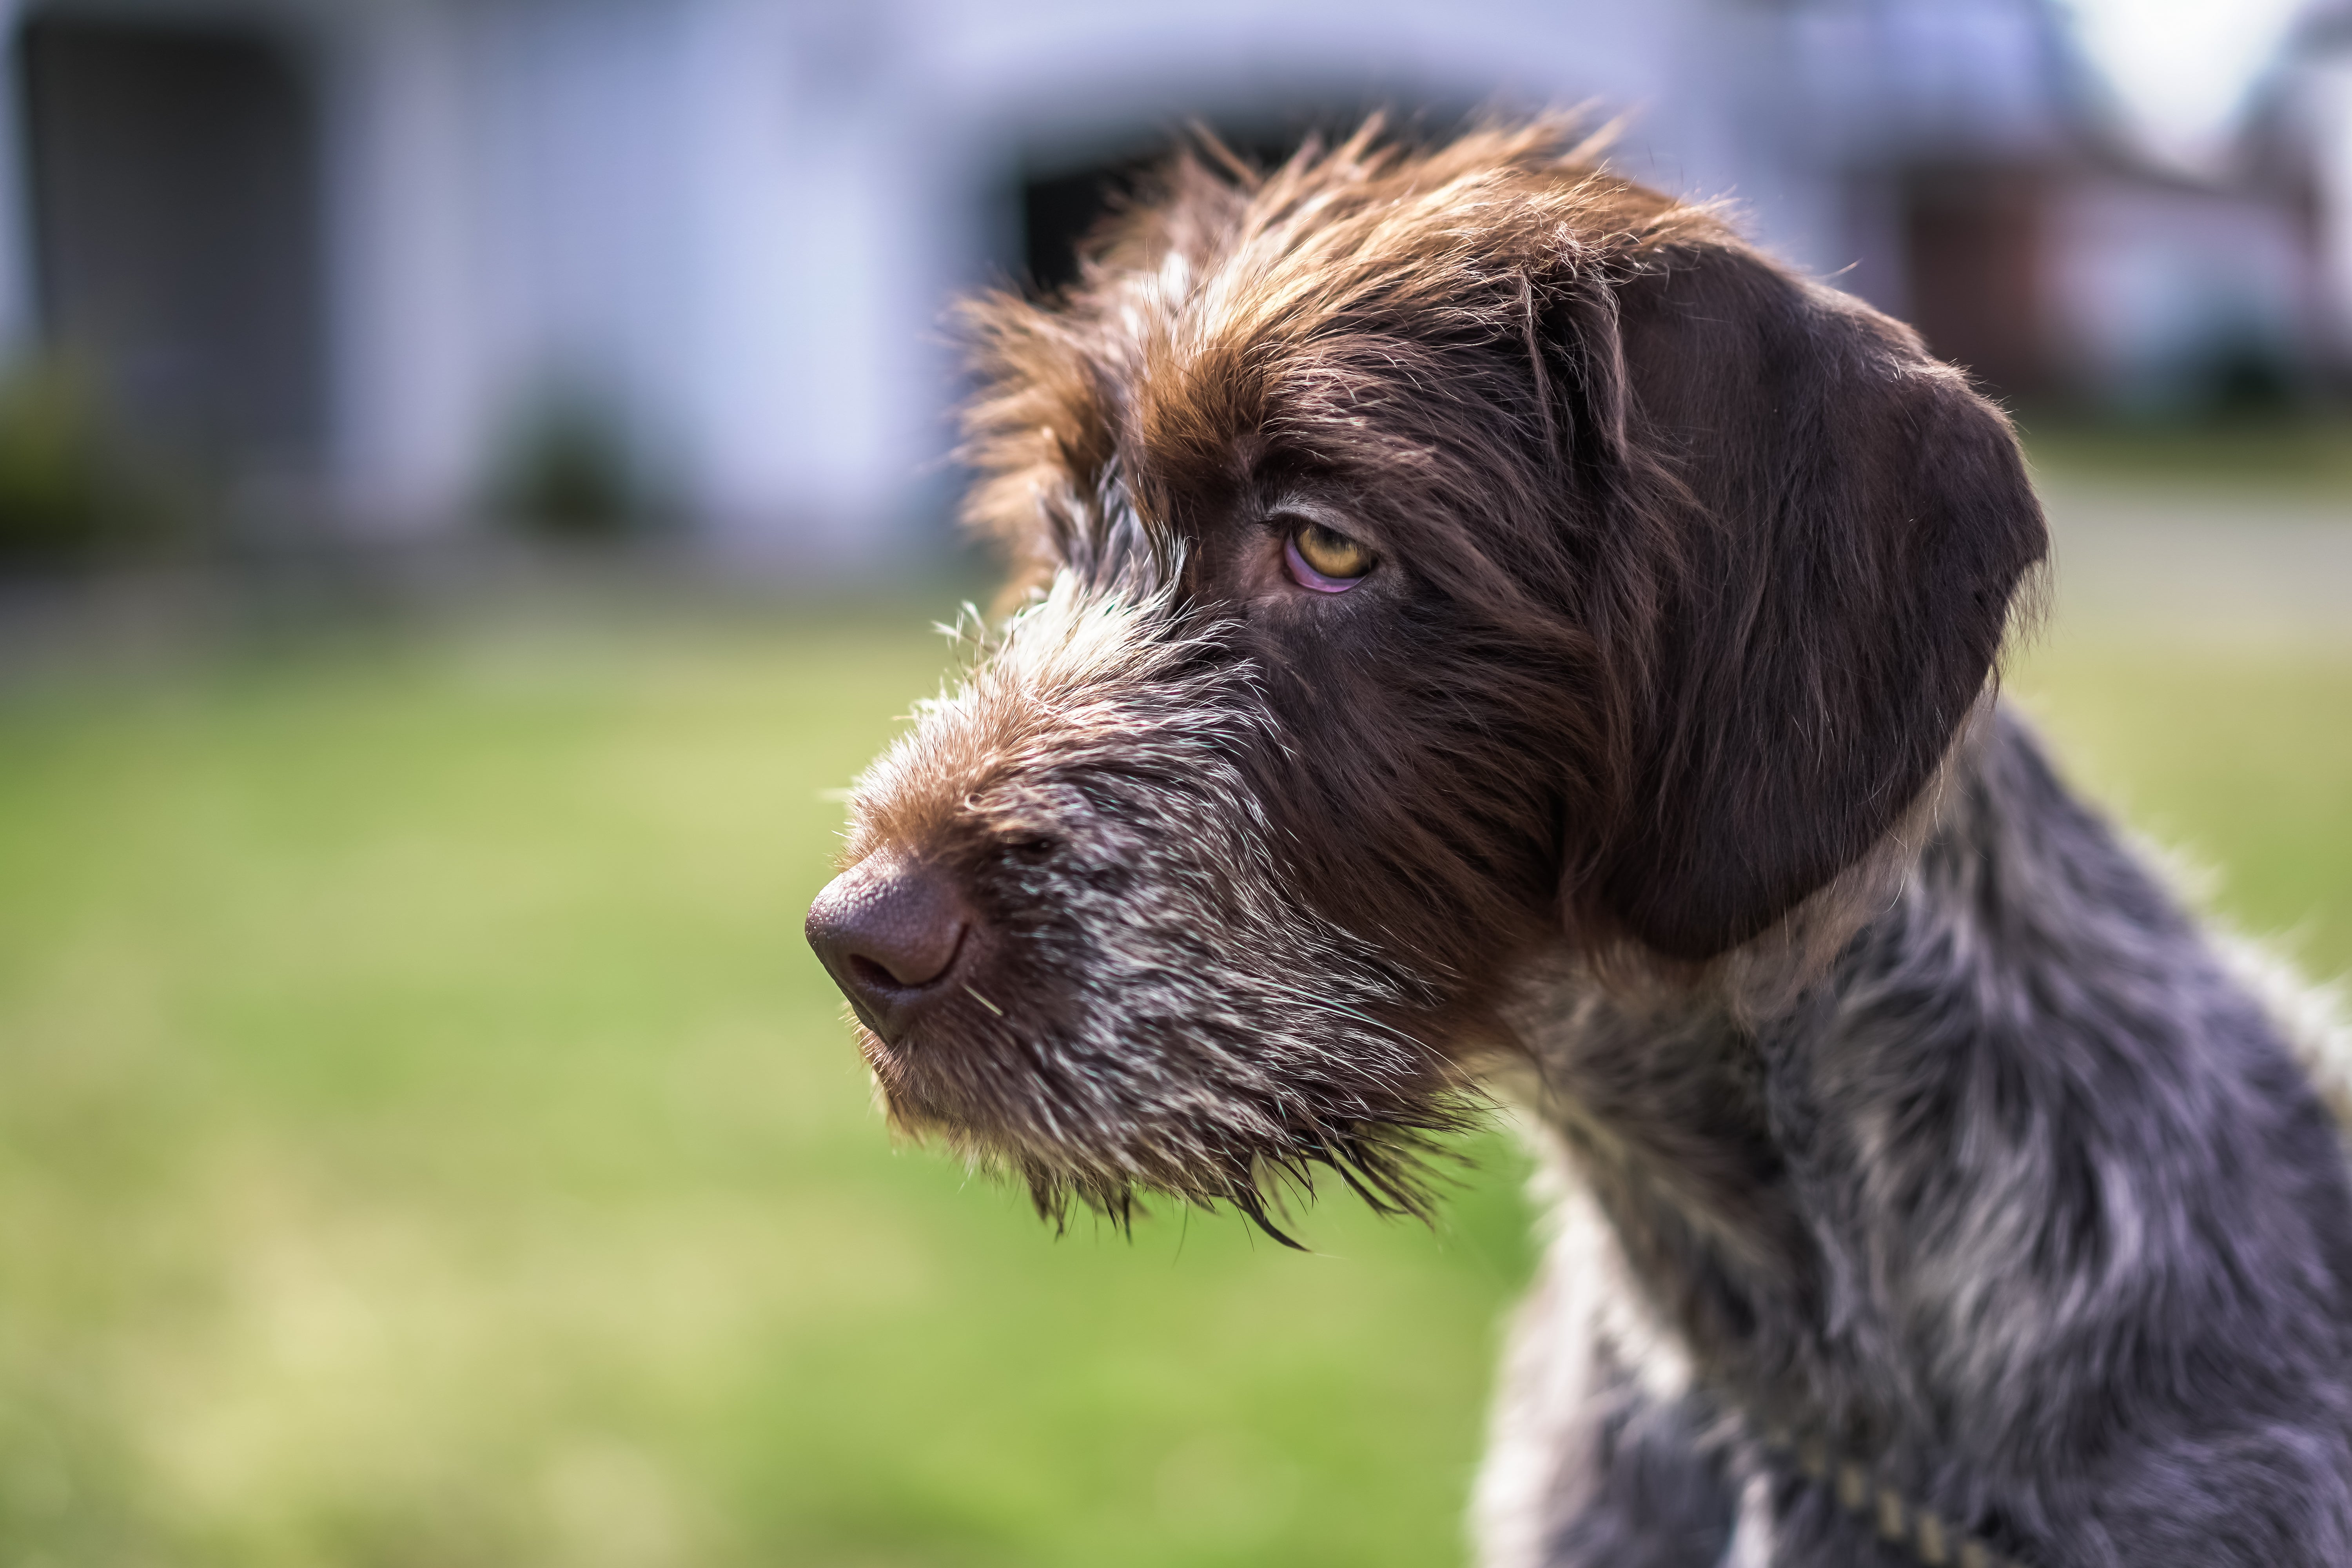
[889, 930]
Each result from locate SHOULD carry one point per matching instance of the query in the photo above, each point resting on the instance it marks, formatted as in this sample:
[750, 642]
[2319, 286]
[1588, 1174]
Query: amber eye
[1326, 560]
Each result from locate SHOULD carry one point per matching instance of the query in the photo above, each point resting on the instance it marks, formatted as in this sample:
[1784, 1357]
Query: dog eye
[1324, 559]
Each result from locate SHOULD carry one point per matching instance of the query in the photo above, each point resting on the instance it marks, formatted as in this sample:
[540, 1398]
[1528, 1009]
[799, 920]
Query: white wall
[410, 374]
[814, 248]
[743, 221]
[2324, 107]
[840, 159]
[699, 211]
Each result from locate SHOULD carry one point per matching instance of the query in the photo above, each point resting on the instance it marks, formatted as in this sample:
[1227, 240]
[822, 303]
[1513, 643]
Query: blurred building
[353, 251]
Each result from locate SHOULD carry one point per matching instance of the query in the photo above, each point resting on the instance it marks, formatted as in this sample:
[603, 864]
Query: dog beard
[1152, 1010]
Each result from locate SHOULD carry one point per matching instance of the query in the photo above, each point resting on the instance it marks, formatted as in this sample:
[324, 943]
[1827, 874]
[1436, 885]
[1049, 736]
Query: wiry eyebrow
[1290, 503]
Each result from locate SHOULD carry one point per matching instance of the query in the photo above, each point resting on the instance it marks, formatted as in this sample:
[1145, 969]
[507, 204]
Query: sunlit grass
[2302, 456]
[2235, 757]
[425, 1139]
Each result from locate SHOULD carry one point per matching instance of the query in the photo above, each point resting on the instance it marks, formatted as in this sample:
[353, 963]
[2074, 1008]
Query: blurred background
[474, 488]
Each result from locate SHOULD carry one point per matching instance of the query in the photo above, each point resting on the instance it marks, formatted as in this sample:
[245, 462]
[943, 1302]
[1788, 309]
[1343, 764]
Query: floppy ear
[1861, 520]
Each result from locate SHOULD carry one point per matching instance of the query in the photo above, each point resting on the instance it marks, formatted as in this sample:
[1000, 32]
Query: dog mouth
[1098, 1047]
[1095, 1085]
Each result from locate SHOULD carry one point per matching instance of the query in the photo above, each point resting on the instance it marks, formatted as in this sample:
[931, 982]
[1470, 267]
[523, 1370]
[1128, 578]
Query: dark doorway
[1972, 238]
[176, 223]
[1065, 190]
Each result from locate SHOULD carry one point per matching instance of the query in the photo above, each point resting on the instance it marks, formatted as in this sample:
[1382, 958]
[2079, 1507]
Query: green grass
[2303, 457]
[2237, 760]
[425, 1139]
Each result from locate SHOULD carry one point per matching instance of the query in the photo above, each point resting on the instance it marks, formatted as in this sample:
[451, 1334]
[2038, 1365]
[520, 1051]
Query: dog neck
[1726, 1130]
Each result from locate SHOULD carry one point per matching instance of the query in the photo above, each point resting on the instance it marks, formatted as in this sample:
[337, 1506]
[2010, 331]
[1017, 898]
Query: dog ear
[1859, 521]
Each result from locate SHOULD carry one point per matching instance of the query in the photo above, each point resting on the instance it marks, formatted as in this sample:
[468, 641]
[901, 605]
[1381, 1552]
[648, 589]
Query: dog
[1479, 628]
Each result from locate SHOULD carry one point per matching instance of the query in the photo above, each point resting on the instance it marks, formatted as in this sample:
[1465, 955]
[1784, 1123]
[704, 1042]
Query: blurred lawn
[2306, 456]
[426, 1141]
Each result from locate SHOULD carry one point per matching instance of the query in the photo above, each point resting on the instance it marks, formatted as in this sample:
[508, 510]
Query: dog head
[1422, 560]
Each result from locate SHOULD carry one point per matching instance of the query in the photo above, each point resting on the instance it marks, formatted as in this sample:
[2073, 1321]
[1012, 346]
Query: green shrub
[69, 489]
[567, 473]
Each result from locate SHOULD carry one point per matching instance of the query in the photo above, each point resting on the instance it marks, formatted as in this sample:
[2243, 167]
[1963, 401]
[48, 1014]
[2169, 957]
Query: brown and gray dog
[1482, 627]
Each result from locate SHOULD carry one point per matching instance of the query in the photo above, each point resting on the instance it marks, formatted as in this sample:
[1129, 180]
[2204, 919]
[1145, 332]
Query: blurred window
[177, 228]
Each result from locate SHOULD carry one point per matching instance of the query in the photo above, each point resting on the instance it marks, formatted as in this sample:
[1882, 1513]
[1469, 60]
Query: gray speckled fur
[2026, 1201]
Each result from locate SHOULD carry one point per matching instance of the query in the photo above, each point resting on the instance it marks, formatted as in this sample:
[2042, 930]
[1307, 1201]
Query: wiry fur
[1084, 787]
[2027, 1201]
[1653, 776]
